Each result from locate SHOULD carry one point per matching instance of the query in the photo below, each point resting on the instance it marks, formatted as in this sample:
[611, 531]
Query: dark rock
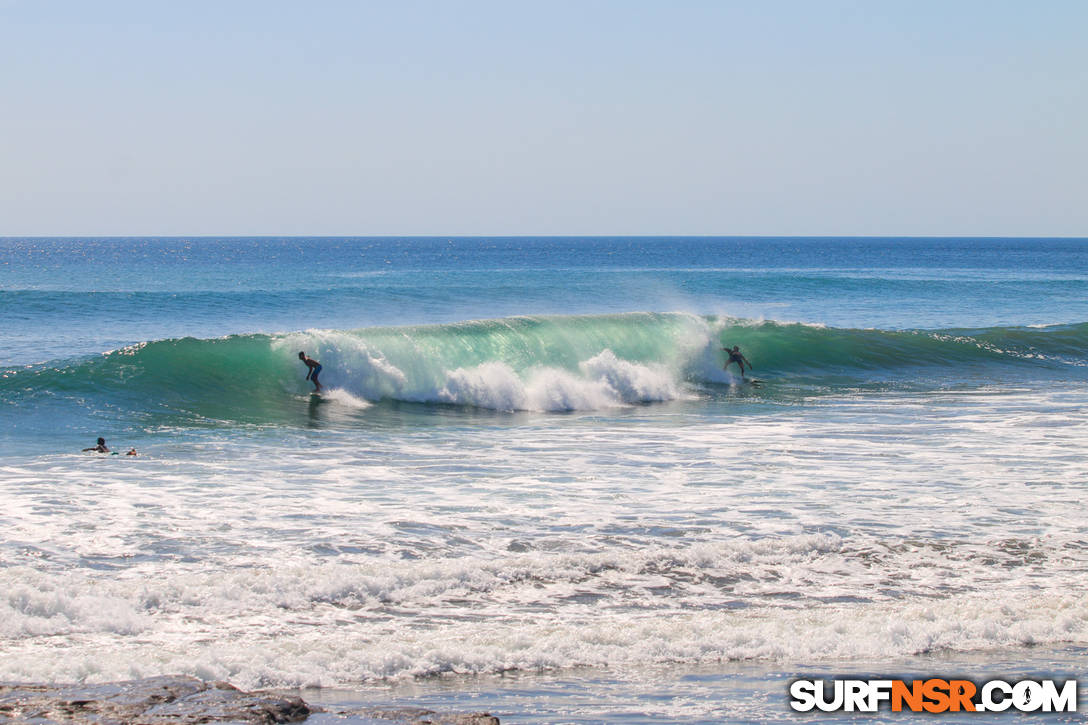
[185, 700]
[147, 701]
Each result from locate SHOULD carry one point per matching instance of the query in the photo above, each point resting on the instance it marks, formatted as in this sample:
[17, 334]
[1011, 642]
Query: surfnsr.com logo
[933, 695]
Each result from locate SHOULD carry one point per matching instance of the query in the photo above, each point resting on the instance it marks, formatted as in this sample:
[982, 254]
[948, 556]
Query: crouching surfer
[314, 370]
[736, 357]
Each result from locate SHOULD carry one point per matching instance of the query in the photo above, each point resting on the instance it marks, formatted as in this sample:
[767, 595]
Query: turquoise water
[530, 460]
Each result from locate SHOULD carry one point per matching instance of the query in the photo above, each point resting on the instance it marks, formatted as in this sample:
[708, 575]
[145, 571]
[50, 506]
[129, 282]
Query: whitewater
[531, 483]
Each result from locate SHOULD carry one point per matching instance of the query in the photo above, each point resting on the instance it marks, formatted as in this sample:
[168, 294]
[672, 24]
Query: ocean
[530, 486]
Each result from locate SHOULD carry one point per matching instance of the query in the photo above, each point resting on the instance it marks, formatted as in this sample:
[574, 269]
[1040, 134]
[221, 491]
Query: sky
[589, 117]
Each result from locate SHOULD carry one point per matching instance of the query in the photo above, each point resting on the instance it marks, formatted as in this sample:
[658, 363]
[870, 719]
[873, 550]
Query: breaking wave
[554, 363]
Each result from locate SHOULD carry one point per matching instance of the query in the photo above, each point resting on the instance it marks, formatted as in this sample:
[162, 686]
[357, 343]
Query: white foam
[630, 382]
[492, 385]
[35, 605]
[345, 399]
[331, 625]
[605, 382]
[871, 527]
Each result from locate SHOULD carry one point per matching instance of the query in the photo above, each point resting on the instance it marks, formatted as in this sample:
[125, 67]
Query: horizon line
[538, 236]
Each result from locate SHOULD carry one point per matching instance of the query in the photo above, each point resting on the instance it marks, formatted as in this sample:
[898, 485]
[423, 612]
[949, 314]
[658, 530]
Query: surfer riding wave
[735, 356]
[314, 370]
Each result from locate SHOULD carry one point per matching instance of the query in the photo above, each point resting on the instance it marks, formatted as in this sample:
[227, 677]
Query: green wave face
[793, 349]
[531, 363]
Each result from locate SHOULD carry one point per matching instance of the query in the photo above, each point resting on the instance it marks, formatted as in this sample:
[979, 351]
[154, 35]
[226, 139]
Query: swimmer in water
[100, 448]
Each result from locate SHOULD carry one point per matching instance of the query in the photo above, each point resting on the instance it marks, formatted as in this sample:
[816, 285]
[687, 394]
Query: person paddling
[312, 373]
[736, 357]
[100, 448]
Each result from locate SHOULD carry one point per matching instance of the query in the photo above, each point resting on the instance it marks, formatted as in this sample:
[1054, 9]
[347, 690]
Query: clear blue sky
[552, 117]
